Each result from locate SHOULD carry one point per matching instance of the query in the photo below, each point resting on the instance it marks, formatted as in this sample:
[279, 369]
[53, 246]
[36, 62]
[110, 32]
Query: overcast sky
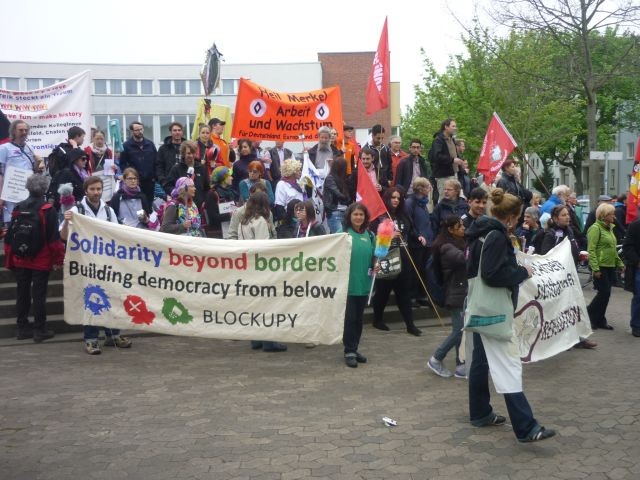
[144, 31]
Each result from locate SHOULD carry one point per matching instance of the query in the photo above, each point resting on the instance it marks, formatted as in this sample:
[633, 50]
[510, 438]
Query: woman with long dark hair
[308, 226]
[489, 242]
[401, 285]
[355, 223]
[246, 155]
[448, 253]
[336, 196]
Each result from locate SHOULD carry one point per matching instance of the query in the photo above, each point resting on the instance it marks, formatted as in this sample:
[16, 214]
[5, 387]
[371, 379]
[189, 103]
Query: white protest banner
[314, 177]
[551, 315]
[51, 111]
[283, 290]
[14, 187]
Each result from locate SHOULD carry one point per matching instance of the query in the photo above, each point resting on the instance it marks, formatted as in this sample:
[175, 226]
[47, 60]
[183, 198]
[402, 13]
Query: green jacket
[602, 249]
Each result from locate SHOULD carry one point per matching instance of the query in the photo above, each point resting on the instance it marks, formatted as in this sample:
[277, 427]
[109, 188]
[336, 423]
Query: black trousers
[353, 323]
[32, 290]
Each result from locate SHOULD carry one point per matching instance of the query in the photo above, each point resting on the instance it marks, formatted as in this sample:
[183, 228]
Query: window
[180, 87]
[48, 81]
[10, 83]
[165, 121]
[100, 87]
[195, 87]
[116, 87]
[132, 87]
[631, 150]
[612, 180]
[229, 87]
[146, 87]
[165, 87]
[102, 123]
[147, 121]
[33, 83]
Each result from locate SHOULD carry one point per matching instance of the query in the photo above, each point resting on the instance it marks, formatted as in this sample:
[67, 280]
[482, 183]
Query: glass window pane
[165, 121]
[228, 87]
[12, 83]
[33, 83]
[100, 87]
[195, 87]
[147, 121]
[132, 87]
[180, 87]
[165, 87]
[116, 87]
[147, 87]
[102, 123]
[132, 118]
[48, 81]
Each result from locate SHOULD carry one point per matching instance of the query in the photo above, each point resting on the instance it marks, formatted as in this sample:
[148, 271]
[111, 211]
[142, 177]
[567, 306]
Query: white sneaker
[437, 368]
[461, 371]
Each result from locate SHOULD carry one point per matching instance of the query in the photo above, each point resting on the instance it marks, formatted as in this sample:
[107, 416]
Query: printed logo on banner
[96, 299]
[136, 308]
[322, 111]
[258, 108]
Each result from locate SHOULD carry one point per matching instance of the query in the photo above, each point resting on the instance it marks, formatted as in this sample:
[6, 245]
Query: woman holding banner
[490, 244]
[255, 225]
[356, 221]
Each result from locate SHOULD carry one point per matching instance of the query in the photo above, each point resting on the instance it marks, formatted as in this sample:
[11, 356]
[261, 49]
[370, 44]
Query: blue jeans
[480, 410]
[598, 305]
[454, 338]
[91, 332]
[353, 323]
[334, 220]
[635, 302]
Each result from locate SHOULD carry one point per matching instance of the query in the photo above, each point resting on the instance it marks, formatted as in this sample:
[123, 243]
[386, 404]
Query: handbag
[391, 265]
[488, 310]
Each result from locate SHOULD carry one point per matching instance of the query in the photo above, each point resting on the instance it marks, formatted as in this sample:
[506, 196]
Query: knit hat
[219, 174]
[181, 186]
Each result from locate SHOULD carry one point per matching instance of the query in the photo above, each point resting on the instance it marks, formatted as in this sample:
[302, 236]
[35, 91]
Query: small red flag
[377, 96]
[498, 144]
[367, 193]
[634, 188]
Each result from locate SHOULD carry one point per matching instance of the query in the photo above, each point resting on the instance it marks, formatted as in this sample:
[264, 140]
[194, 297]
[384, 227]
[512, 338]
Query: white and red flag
[498, 144]
[377, 95]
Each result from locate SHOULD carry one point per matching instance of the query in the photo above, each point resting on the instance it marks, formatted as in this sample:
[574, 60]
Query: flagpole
[534, 172]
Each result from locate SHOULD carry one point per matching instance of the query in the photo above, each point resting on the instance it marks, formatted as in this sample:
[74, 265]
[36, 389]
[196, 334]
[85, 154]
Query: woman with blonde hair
[288, 188]
[603, 260]
[491, 254]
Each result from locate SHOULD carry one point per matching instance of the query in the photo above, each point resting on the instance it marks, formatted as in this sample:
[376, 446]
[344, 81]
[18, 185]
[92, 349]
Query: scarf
[293, 182]
[188, 211]
[128, 191]
[226, 194]
[98, 150]
[82, 172]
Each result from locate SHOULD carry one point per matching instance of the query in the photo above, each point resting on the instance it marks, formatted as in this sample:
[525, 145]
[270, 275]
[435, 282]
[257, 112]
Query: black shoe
[635, 332]
[24, 334]
[413, 330]
[275, 347]
[540, 435]
[424, 302]
[381, 326]
[41, 335]
[360, 358]
[606, 326]
[594, 326]
[256, 345]
[497, 420]
[351, 360]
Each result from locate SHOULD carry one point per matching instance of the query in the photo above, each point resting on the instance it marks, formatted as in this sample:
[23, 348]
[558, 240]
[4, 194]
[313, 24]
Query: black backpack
[26, 234]
[57, 160]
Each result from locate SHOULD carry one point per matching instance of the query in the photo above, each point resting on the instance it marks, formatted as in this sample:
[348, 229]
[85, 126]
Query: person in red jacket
[32, 271]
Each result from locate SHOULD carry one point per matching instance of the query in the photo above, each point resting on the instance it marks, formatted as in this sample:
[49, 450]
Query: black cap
[77, 153]
[216, 121]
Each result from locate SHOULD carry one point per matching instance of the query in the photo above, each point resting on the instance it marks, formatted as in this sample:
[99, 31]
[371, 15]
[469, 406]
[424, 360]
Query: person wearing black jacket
[510, 183]
[631, 255]
[381, 155]
[444, 156]
[140, 153]
[59, 158]
[189, 167]
[323, 152]
[75, 174]
[451, 204]
[169, 154]
[410, 164]
[401, 285]
[336, 195]
[488, 239]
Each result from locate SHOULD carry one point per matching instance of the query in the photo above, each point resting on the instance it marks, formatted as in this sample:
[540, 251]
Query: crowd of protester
[438, 209]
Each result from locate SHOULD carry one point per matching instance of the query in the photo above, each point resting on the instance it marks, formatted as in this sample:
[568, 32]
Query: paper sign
[15, 179]
[108, 166]
[227, 207]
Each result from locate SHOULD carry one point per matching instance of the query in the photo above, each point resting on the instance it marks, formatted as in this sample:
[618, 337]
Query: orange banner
[269, 115]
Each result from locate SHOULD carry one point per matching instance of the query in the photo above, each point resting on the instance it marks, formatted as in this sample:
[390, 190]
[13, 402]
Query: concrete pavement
[187, 408]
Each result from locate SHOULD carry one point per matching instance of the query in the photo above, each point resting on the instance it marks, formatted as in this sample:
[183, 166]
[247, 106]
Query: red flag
[498, 144]
[377, 96]
[634, 188]
[367, 193]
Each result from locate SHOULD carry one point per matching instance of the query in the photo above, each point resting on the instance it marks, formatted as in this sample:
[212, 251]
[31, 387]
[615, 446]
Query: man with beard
[322, 153]
[140, 153]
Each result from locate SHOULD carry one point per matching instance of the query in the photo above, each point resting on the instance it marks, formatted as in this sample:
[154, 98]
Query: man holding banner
[17, 163]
